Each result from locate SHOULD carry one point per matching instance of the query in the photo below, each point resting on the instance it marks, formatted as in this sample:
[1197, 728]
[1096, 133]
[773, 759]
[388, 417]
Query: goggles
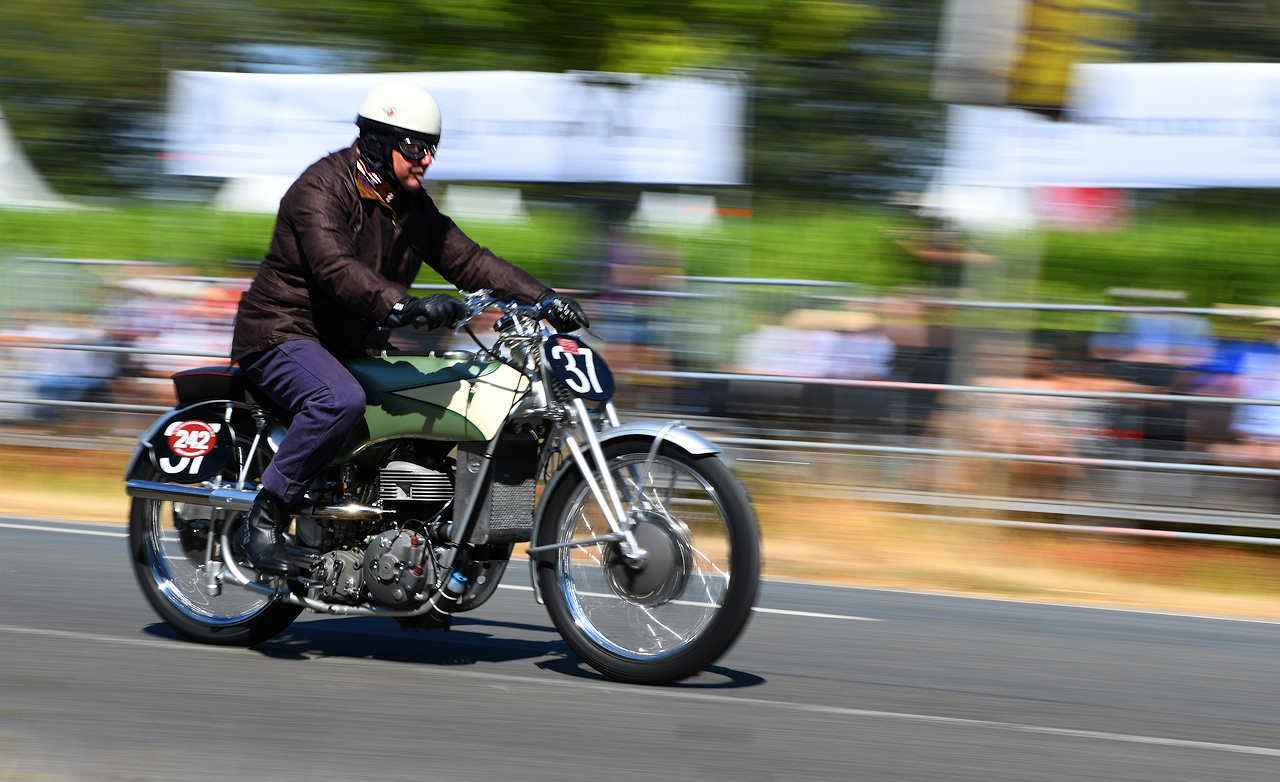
[415, 149]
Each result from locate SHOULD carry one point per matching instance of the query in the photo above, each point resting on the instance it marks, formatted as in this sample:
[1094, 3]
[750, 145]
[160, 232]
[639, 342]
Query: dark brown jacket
[338, 262]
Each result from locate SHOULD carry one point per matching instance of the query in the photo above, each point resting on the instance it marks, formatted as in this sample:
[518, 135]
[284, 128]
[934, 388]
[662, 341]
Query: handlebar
[532, 314]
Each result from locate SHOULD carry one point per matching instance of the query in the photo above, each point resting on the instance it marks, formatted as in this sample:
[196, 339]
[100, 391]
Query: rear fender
[224, 408]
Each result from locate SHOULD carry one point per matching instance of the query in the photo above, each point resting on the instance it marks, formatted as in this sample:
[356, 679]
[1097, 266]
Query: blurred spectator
[1156, 350]
[922, 355]
[174, 316]
[811, 343]
[1160, 339]
[1036, 425]
[819, 343]
[629, 321]
[1256, 427]
[61, 374]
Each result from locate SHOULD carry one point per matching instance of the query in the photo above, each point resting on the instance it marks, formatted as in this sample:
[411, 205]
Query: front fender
[678, 435]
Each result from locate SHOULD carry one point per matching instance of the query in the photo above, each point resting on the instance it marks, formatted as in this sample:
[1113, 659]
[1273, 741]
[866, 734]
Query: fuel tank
[433, 398]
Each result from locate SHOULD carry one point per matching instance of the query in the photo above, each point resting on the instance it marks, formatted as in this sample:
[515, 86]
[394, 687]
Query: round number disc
[579, 367]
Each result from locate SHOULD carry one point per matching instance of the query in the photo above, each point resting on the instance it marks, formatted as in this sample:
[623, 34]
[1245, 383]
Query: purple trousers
[327, 401]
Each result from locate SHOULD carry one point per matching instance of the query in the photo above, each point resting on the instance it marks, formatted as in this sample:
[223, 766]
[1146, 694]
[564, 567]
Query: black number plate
[579, 367]
[191, 448]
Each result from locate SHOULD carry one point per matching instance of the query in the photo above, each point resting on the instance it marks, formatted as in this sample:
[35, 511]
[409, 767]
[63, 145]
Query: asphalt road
[826, 684]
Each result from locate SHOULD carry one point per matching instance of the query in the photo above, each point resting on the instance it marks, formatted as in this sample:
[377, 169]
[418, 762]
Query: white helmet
[403, 110]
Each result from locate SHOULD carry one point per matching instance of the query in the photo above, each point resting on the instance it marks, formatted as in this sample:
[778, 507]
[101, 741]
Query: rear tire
[691, 600]
[167, 547]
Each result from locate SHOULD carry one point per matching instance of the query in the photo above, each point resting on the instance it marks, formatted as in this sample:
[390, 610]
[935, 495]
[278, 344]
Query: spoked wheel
[168, 542]
[687, 602]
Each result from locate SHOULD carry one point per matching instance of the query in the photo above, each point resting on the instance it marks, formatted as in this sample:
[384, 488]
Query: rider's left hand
[563, 313]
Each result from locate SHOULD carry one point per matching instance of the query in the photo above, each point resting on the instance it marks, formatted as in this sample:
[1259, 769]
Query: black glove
[563, 313]
[436, 310]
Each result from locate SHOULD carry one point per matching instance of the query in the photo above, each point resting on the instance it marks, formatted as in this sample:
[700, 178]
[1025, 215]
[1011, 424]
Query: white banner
[1132, 125]
[498, 125]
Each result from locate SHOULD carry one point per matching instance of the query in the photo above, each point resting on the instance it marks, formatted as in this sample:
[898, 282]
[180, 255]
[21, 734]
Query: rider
[351, 235]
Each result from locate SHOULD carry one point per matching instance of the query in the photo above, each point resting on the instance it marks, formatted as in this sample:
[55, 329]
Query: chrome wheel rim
[675, 507]
[176, 557]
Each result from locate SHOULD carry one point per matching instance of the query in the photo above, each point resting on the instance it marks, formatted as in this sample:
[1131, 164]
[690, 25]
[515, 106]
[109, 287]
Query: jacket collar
[370, 184]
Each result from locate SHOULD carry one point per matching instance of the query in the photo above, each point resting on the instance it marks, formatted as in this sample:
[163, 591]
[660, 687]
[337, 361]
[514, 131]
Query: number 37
[581, 382]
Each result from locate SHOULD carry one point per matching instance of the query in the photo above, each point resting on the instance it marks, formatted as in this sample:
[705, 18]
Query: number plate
[191, 448]
[579, 367]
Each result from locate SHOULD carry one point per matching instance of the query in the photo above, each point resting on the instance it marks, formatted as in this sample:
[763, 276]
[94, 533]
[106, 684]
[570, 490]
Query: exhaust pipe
[239, 500]
[229, 499]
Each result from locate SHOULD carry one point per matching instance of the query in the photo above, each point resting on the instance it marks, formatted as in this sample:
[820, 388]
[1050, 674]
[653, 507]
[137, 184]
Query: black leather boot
[263, 536]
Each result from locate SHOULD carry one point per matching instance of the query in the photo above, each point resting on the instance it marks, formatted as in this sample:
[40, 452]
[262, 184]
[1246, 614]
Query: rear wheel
[688, 602]
[168, 542]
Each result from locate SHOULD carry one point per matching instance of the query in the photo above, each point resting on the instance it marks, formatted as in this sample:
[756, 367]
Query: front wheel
[686, 604]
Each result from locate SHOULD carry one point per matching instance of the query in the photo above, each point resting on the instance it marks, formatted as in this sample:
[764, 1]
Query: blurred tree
[1212, 30]
[840, 87]
[82, 81]
[840, 102]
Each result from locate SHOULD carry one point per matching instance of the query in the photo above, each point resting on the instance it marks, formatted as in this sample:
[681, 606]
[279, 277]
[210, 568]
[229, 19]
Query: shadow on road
[716, 677]
[468, 643]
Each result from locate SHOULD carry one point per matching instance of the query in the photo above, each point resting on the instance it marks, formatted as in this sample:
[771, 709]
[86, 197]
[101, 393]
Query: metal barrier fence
[809, 446]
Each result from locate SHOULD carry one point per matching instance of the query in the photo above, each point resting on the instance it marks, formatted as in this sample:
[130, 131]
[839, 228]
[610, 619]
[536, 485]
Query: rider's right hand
[439, 309]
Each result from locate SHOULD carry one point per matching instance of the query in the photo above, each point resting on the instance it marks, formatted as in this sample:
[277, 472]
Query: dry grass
[834, 541]
[63, 484]
[839, 541]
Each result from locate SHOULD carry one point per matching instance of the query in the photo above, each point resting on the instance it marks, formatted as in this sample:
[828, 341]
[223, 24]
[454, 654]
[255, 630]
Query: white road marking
[111, 639]
[815, 614]
[520, 587]
[685, 695]
[783, 611]
[67, 530]
[1120, 609]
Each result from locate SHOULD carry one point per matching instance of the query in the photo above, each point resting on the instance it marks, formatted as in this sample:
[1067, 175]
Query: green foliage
[194, 236]
[1197, 31]
[217, 243]
[83, 81]
[549, 236]
[834, 244]
[1222, 258]
[1214, 257]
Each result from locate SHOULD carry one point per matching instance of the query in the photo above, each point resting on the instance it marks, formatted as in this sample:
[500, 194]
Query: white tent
[21, 186]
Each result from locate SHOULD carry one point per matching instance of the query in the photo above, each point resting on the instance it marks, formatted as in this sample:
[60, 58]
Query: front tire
[167, 543]
[688, 604]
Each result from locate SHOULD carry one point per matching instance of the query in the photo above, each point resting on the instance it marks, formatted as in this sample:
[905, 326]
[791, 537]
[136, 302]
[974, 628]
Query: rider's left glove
[563, 313]
[434, 311]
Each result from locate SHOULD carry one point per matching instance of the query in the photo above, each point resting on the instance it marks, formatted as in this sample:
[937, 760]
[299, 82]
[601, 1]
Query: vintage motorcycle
[643, 545]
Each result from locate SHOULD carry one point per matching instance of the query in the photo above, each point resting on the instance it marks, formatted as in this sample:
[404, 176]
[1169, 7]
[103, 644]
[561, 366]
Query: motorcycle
[641, 542]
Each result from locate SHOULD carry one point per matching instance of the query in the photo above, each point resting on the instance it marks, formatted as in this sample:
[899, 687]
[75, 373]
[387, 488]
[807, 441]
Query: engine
[340, 575]
[397, 567]
[390, 566]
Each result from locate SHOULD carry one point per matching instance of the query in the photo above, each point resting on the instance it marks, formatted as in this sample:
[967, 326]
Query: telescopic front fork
[615, 515]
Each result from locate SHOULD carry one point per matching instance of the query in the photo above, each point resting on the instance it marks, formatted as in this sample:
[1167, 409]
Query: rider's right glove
[434, 311]
[563, 313]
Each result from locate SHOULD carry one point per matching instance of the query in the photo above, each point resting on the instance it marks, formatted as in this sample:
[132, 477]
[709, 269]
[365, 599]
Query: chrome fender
[678, 435]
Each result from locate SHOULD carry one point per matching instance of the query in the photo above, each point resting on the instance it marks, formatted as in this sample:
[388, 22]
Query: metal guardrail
[867, 448]
[806, 444]
[823, 381]
[901, 450]
[112, 406]
[114, 349]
